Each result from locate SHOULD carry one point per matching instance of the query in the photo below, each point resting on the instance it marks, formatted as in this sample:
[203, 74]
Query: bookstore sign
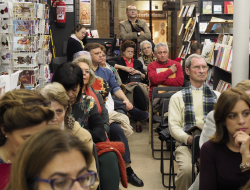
[155, 15]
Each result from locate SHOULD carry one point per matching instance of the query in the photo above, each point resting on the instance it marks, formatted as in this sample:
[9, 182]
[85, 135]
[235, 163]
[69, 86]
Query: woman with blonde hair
[60, 102]
[225, 158]
[52, 159]
[22, 114]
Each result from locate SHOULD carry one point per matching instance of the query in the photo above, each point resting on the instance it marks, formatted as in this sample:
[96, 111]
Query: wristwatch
[244, 166]
[138, 33]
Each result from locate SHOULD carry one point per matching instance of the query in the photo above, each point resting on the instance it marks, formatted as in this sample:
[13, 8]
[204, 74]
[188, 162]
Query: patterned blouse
[86, 113]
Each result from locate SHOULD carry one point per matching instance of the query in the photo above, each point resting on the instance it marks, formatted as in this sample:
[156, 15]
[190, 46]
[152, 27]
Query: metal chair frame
[195, 154]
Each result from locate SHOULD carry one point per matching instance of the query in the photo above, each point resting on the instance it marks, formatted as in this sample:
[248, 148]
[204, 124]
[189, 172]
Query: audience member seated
[52, 159]
[86, 110]
[116, 133]
[147, 55]
[157, 78]
[75, 43]
[185, 113]
[23, 113]
[225, 158]
[56, 94]
[107, 75]
[209, 127]
[82, 54]
[104, 64]
[195, 48]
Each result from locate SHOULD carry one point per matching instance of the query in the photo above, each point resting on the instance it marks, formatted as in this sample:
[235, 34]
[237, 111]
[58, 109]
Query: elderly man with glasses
[134, 29]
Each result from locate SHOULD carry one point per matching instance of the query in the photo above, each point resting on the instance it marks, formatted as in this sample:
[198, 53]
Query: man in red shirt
[166, 78]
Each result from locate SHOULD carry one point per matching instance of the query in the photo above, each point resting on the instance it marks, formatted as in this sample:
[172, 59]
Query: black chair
[97, 162]
[159, 119]
[165, 136]
[195, 155]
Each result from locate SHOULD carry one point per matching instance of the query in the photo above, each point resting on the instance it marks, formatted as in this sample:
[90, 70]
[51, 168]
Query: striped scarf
[209, 100]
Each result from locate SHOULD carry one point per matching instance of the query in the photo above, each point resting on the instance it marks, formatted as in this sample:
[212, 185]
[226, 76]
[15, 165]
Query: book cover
[94, 33]
[185, 11]
[190, 10]
[226, 3]
[23, 43]
[181, 11]
[230, 9]
[217, 9]
[181, 50]
[23, 26]
[5, 42]
[220, 38]
[5, 57]
[4, 10]
[207, 48]
[189, 21]
[159, 70]
[46, 41]
[23, 10]
[181, 29]
[207, 7]
[202, 27]
[23, 60]
[29, 76]
[46, 30]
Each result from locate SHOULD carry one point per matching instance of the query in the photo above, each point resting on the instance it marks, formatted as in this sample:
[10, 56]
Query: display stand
[25, 41]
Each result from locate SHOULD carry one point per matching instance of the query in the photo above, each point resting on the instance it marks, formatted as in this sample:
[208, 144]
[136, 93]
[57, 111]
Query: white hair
[189, 59]
[160, 44]
[145, 42]
[79, 53]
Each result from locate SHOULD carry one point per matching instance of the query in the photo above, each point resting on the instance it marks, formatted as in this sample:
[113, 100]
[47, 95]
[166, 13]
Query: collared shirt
[131, 64]
[133, 29]
[197, 89]
[109, 77]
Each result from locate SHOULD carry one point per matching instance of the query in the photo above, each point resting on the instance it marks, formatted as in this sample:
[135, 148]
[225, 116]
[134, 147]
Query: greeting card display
[24, 60]
[46, 14]
[23, 10]
[4, 11]
[46, 30]
[5, 42]
[5, 57]
[23, 26]
[4, 26]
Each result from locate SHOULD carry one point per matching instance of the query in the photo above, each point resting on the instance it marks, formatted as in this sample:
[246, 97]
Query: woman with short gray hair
[147, 55]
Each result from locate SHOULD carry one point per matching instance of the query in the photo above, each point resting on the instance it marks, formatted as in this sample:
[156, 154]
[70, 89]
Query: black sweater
[73, 46]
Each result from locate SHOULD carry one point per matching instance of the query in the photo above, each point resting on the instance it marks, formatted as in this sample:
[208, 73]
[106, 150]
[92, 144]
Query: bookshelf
[207, 17]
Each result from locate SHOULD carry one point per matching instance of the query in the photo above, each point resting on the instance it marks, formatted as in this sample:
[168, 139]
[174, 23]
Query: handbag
[134, 78]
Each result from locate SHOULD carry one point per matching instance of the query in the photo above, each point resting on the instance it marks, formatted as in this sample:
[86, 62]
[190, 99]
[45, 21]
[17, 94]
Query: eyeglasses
[197, 68]
[131, 10]
[66, 183]
[86, 71]
[146, 48]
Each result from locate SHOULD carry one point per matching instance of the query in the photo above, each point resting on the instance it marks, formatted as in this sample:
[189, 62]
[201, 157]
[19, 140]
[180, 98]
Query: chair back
[170, 91]
[164, 109]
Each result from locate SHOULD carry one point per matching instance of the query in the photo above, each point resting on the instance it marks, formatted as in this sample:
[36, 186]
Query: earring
[6, 136]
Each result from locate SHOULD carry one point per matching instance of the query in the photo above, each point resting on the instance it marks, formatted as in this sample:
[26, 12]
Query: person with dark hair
[85, 111]
[108, 76]
[52, 159]
[22, 114]
[75, 43]
[225, 158]
[84, 108]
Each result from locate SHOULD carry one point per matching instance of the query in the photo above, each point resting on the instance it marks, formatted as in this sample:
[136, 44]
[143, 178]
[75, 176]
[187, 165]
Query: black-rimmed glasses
[65, 183]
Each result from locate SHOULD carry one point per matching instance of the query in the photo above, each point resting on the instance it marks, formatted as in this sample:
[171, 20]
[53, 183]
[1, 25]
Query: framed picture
[85, 12]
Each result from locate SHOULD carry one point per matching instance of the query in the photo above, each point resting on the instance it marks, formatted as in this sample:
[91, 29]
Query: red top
[131, 64]
[162, 78]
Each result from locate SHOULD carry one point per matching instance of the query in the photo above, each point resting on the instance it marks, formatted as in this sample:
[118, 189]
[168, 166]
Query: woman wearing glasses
[147, 55]
[76, 41]
[52, 160]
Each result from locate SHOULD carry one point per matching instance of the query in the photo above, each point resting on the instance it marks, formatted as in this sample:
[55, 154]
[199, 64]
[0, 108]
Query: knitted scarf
[209, 100]
[80, 41]
[147, 60]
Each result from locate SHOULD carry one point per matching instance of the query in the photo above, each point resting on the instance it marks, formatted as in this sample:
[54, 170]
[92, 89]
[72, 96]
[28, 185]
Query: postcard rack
[24, 31]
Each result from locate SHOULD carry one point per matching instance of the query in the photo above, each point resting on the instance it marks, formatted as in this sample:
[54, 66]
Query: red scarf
[131, 64]
[89, 92]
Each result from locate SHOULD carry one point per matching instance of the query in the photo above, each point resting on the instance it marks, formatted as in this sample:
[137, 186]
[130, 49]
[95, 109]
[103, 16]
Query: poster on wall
[85, 12]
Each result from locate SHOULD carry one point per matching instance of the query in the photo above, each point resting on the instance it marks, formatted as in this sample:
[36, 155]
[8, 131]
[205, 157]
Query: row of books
[186, 11]
[190, 26]
[210, 7]
[224, 58]
[222, 86]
